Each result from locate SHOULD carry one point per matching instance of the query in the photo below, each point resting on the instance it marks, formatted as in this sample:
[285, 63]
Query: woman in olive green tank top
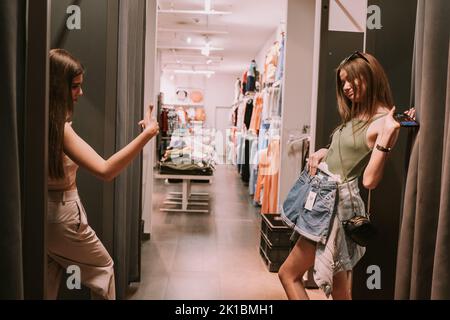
[364, 139]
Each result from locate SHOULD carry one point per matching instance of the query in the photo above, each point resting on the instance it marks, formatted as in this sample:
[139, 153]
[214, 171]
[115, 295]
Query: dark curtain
[12, 93]
[128, 209]
[423, 262]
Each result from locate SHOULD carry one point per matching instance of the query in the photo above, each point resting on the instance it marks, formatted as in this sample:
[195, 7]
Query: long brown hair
[363, 71]
[63, 69]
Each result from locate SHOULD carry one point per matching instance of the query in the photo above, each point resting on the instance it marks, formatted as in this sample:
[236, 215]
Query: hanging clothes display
[248, 113]
[253, 163]
[280, 66]
[270, 68]
[251, 77]
[257, 129]
[244, 83]
[257, 113]
[164, 122]
[237, 90]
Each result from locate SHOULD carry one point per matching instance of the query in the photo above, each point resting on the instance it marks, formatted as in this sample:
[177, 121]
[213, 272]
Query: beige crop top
[69, 182]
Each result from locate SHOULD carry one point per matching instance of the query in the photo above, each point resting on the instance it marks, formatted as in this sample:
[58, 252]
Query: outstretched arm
[387, 138]
[85, 156]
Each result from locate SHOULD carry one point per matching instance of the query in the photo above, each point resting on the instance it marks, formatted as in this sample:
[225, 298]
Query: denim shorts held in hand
[314, 221]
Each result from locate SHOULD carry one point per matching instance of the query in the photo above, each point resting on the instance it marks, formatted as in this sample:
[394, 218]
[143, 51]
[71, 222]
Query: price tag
[311, 200]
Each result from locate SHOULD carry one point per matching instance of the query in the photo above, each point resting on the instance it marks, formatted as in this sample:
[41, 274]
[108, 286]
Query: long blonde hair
[363, 71]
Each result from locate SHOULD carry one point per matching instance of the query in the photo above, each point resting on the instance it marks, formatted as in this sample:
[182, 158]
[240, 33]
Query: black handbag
[358, 228]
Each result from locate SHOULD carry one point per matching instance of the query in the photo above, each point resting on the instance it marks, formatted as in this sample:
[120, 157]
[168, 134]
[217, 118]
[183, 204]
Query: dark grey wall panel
[393, 46]
[334, 49]
[88, 45]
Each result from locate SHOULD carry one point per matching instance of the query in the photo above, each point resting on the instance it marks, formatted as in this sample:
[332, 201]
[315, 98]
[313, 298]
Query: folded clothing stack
[193, 169]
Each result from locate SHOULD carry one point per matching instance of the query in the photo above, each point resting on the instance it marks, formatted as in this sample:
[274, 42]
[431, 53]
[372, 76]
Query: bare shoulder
[68, 130]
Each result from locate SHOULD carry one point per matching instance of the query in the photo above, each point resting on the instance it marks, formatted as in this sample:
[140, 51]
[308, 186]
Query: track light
[208, 5]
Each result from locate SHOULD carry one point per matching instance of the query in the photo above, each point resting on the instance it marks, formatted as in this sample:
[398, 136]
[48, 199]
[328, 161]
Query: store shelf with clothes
[168, 122]
[244, 137]
[191, 151]
[172, 117]
[257, 145]
[255, 136]
[266, 189]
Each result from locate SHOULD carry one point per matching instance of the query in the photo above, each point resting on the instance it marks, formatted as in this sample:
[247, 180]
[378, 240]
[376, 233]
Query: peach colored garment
[268, 175]
[69, 181]
[262, 165]
[200, 114]
[72, 242]
[255, 124]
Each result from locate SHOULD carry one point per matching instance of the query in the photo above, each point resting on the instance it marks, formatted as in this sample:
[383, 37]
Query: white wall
[298, 79]
[261, 55]
[218, 91]
[150, 94]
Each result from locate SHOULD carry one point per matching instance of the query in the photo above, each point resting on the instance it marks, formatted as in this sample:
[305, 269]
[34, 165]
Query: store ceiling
[239, 35]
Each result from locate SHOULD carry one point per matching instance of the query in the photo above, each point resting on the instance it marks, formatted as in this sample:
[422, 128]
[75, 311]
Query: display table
[185, 198]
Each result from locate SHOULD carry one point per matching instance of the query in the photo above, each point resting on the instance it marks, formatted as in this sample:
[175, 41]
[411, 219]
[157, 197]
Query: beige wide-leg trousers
[72, 242]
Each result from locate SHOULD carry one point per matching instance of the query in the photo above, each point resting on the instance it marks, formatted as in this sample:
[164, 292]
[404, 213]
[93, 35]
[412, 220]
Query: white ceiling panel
[241, 34]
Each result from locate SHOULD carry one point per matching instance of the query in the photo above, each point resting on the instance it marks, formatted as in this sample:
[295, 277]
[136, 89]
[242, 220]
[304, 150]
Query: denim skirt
[310, 206]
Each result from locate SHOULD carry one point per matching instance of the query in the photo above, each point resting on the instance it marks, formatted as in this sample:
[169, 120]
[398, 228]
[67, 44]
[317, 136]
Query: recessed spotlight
[189, 40]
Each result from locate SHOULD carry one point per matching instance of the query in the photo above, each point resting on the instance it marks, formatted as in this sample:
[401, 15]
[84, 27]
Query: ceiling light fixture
[189, 40]
[204, 72]
[206, 50]
[208, 5]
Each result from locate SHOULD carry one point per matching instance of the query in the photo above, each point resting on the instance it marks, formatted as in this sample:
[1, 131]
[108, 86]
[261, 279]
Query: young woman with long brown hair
[359, 147]
[70, 239]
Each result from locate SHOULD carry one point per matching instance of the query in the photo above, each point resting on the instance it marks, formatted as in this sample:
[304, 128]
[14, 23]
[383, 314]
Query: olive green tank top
[355, 151]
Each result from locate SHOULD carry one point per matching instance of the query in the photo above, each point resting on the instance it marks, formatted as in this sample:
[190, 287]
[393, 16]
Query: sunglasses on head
[353, 56]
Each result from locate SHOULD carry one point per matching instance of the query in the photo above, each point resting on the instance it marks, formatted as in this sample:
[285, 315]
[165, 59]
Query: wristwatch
[383, 149]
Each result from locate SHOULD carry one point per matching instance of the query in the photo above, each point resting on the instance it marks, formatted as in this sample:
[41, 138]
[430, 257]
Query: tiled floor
[208, 256]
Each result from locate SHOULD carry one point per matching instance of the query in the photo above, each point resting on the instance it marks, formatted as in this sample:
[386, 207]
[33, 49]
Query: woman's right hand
[315, 159]
[150, 124]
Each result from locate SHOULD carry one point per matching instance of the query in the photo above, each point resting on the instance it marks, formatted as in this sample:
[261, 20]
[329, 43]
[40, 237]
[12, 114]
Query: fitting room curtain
[130, 97]
[423, 261]
[12, 61]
